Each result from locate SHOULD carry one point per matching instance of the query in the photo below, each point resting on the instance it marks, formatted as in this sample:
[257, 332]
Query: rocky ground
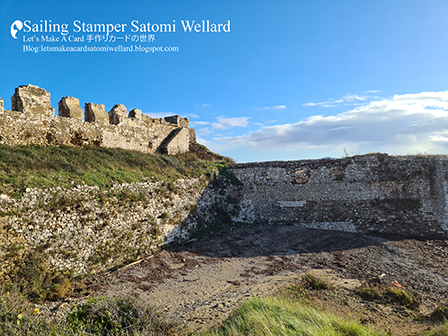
[199, 283]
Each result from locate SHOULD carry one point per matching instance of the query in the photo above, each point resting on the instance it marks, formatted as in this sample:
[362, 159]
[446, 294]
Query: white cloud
[203, 141]
[199, 123]
[156, 115]
[226, 123]
[205, 131]
[407, 123]
[206, 105]
[277, 107]
[441, 95]
[348, 99]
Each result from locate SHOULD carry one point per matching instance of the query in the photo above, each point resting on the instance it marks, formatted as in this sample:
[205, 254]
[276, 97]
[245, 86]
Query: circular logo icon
[15, 27]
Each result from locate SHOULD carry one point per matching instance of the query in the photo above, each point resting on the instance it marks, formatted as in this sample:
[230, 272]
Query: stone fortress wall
[33, 121]
[84, 229]
[405, 195]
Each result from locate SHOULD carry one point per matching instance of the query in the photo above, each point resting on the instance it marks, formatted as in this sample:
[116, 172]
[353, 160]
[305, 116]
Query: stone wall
[372, 193]
[85, 229]
[33, 121]
[33, 99]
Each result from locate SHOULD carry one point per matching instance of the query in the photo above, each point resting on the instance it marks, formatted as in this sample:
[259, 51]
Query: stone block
[184, 122]
[2, 107]
[173, 119]
[178, 120]
[69, 108]
[118, 114]
[192, 135]
[32, 99]
[136, 114]
[177, 142]
[96, 113]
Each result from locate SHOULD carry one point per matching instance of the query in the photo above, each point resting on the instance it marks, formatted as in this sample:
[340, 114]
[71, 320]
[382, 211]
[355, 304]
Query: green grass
[116, 316]
[384, 295]
[97, 316]
[278, 315]
[35, 280]
[440, 313]
[31, 166]
[18, 317]
[23, 167]
[440, 331]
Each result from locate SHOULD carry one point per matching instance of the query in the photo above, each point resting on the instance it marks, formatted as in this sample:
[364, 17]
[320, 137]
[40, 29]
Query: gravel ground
[199, 283]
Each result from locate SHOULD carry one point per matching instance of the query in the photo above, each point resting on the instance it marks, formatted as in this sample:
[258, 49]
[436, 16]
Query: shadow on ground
[270, 240]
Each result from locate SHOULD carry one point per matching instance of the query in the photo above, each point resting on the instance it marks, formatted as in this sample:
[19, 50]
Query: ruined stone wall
[84, 229]
[33, 121]
[371, 193]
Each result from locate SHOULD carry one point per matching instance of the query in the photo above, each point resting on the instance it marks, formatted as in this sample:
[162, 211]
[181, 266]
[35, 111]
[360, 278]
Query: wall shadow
[274, 239]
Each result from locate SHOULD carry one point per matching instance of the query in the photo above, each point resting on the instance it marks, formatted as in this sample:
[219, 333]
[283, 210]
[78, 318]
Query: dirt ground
[199, 283]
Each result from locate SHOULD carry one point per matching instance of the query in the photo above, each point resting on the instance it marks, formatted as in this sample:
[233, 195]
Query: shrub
[440, 331]
[310, 281]
[116, 316]
[18, 317]
[440, 313]
[383, 294]
[37, 281]
[106, 316]
[307, 283]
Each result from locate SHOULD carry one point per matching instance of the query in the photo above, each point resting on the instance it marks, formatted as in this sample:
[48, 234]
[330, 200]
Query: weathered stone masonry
[370, 193]
[33, 121]
[84, 229]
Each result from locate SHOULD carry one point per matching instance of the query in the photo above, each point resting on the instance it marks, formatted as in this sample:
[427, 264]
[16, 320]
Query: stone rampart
[85, 229]
[33, 121]
[371, 193]
[33, 99]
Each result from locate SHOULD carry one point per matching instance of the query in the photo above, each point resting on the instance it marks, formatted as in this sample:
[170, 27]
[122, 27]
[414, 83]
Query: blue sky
[291, 80]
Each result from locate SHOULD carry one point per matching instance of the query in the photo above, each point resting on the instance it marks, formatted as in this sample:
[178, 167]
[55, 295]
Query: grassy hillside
[25, 167]
[31, 166]
[76, 203]
[288, 312]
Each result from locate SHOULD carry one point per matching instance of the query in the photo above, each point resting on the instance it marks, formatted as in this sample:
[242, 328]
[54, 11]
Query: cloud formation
[277, 107]
[156, 115]
[199, 123]
[408, 123]
[226, 123]
[347, 99]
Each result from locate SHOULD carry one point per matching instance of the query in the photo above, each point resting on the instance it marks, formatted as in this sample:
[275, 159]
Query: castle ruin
[33, 121]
